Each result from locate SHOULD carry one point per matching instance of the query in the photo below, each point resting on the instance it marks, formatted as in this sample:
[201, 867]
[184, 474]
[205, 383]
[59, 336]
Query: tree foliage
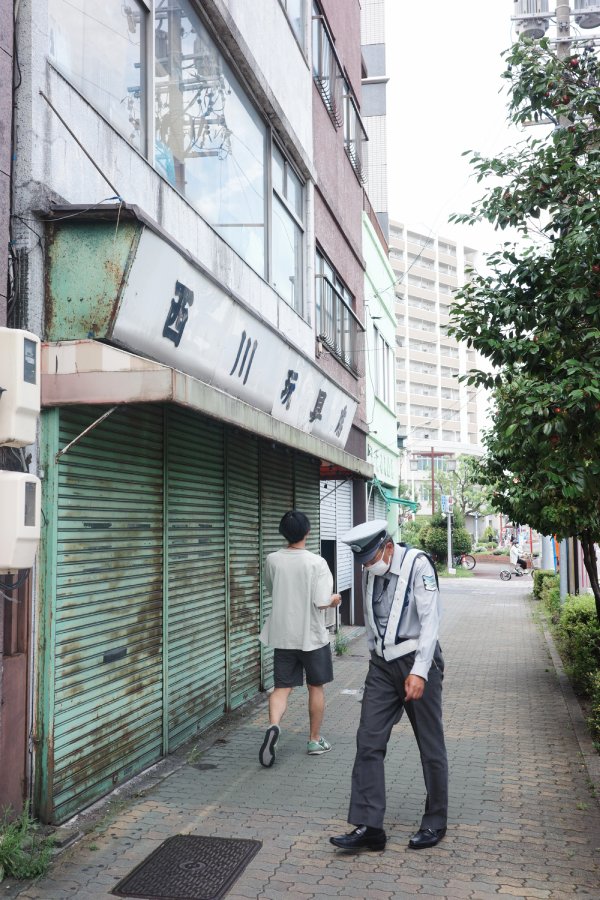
[433, 536]
[464, 486]
[535, 313]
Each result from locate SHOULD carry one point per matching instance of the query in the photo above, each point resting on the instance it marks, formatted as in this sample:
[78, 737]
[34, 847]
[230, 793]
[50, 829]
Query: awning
[89, 372]
[389, 498]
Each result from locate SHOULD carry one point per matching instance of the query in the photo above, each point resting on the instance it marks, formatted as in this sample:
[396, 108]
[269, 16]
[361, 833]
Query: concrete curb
[589, 755]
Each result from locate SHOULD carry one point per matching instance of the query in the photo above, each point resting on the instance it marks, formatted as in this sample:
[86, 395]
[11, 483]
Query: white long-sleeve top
[299, 582]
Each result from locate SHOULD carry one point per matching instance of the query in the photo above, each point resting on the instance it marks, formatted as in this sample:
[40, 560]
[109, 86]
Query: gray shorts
[289, 667]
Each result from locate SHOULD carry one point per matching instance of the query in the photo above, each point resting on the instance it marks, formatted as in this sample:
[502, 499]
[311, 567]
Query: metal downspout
[43, 732]
[227, 575]
[165, 588]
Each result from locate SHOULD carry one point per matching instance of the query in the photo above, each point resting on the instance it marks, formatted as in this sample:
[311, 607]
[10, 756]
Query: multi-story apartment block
[187, 199]
[439, 417]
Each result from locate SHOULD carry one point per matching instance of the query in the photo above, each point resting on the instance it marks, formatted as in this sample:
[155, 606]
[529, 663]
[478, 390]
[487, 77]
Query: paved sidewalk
[523, 821]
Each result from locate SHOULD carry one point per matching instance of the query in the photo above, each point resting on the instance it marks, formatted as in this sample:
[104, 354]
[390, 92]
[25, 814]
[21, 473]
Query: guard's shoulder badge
[429, 582]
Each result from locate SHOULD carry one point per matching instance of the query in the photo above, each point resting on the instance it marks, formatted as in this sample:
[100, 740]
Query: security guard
[402, 614]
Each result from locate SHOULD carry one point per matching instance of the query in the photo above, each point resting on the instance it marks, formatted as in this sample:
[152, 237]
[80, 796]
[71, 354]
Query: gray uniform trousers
[382, 707]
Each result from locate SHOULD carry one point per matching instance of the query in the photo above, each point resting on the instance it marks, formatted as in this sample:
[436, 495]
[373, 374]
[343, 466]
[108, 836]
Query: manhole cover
[189, 867]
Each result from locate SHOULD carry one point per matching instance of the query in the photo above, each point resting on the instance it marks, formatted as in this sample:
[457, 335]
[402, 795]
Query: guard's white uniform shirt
[420, 620]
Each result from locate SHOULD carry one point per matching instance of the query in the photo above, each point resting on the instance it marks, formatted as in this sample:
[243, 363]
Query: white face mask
[380, 567]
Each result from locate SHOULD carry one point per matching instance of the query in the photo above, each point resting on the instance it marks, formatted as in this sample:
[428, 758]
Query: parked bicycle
[464, 560]
[506, 574]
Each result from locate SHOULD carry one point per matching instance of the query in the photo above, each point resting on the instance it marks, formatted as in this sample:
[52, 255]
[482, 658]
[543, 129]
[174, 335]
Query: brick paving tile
[516, 778]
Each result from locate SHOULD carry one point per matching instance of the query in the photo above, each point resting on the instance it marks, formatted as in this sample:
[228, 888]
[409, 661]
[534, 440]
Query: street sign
[445, 503]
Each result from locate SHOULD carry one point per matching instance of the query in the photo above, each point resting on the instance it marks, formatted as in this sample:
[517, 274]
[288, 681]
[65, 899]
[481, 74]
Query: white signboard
[172, 313]
[384, 463]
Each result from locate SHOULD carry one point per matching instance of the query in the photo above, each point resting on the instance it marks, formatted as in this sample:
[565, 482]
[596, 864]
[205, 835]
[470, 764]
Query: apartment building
[439, 417]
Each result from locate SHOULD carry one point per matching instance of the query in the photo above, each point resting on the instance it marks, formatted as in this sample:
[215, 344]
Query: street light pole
[432, 455]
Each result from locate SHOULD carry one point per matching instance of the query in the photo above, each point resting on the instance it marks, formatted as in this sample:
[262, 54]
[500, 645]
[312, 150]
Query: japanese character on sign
[178, 313]
[289, 388]
[340, 425]
[246, 347]
[317, 412]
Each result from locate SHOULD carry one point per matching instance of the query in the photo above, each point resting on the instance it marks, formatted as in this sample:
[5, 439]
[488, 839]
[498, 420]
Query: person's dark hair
[294, 526]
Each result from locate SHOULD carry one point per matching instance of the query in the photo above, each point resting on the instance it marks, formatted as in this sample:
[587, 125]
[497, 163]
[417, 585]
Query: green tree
[434, 536]
[535, 312]
[464, 485]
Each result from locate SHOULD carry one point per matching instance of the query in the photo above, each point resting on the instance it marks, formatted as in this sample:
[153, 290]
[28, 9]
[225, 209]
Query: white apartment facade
[437, 414]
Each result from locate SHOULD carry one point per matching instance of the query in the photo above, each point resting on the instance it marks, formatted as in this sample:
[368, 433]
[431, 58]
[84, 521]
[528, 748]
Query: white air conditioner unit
[587, 13]
[533, 28]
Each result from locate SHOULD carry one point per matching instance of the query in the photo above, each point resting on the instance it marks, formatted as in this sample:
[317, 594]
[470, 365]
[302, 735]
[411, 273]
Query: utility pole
[563, 27]
[433, 455]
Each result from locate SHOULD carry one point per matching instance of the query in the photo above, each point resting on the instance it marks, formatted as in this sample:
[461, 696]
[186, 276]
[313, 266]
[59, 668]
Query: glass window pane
[294, 192]
[210, 141]
[295, 14]
[99, 47]
[287, 256]
[278, 173]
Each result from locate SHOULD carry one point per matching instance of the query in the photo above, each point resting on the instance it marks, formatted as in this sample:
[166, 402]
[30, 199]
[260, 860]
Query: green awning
[389, 498]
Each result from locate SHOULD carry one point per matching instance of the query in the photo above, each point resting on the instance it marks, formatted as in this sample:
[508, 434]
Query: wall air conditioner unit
[587, 13]
[19, 387]
[20, 502]
[531, 27]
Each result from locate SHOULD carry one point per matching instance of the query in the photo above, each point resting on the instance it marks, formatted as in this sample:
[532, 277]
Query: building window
[210, 140]
[355, 136]
[100, 47]
[448, 351]
[419, 281]
[294, 10]
[383, 374]
[448, 372]
[449, 249]
[423, 346]
[419, 239]
[449, 393]
[288, 231]
[337, 325]
[424, 493]
[327, 72]
[421, 325]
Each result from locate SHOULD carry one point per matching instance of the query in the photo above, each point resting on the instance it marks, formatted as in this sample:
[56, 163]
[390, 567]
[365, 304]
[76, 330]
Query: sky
[444, 66]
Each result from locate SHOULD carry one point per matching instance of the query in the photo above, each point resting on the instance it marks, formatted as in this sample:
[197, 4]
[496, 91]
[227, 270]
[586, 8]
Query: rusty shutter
[276, 497]
[243, 542]
[195, 573]
[307, 496]
[107, 718]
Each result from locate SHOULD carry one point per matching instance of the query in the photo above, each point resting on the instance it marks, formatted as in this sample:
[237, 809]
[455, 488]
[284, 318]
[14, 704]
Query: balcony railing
[338, 326]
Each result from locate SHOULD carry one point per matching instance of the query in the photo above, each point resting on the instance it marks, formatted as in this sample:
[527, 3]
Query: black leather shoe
[426, 837]
[362, 838]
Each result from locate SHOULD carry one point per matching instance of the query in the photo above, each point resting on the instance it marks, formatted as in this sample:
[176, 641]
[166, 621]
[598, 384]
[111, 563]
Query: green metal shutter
[243, 520]
[307, 496]
[196, 573]
[108, 669]
[276, 497]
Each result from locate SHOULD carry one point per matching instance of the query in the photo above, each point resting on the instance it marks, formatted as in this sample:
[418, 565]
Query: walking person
[300, 584]
[402, 614]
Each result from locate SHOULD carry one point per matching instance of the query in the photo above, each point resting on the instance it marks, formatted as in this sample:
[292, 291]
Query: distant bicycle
[506, 574]
[464, 560]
